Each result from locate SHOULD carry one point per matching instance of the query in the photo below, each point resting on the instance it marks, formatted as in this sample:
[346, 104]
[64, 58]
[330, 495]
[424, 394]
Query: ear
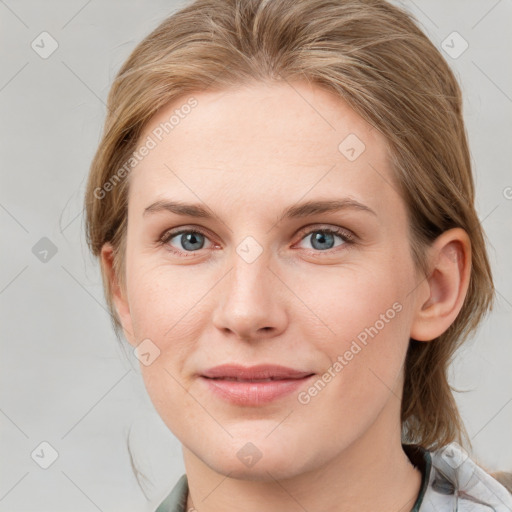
[119, 297]
[445, 286]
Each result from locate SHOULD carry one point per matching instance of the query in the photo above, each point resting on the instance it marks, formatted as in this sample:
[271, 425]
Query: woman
[242, 137]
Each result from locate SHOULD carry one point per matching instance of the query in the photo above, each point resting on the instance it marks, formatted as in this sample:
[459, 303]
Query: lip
[243, 385]
[260, 371]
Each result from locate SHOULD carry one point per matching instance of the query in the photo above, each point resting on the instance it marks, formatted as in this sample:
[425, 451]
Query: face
[260, 274]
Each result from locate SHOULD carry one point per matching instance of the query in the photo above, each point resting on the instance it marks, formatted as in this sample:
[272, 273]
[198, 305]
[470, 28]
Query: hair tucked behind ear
[373, 56]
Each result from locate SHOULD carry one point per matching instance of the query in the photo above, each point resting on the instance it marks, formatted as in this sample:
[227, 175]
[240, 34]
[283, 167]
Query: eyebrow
[293, 212]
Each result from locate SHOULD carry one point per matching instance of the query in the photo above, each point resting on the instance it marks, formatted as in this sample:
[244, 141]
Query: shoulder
[456, 482]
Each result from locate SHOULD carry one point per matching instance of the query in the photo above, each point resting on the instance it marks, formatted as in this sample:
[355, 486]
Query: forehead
[259, 141]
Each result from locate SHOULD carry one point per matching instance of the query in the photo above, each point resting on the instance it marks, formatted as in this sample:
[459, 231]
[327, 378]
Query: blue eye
[324, 239]
[188, 240]
[192, 240]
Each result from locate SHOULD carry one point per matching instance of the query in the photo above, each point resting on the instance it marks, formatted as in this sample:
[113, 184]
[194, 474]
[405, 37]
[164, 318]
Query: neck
[372, 473]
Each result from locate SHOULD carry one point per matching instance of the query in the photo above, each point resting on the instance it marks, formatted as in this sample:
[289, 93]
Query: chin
[260, 472]
[258, 462]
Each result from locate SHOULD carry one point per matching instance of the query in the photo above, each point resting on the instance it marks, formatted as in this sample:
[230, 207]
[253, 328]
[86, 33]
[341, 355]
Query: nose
[252, 301]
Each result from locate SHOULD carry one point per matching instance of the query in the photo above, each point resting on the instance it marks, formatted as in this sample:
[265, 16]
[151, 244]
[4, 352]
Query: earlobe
[447, 284]
[119, 298]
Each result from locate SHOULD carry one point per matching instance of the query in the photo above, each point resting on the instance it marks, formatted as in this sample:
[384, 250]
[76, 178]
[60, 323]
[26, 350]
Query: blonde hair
[374, 56]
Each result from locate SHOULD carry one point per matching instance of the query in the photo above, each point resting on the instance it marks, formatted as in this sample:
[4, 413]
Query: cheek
[164, 306]
[363, 369]
[351, 299]
[165, 301]
[175, 405]
[368, 316]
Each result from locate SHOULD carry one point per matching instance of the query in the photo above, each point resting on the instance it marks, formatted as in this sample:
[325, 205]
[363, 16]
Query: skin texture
[247, 154]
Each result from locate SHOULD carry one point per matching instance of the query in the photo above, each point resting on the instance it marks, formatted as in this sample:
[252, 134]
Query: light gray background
[64, 378]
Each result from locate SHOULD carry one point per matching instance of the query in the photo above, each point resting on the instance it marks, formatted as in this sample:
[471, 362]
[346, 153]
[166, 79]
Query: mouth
[253, 386]
[261, 372]
[237, 379]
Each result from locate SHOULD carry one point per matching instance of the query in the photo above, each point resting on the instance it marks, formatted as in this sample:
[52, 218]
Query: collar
[450, 481]
[421, 459]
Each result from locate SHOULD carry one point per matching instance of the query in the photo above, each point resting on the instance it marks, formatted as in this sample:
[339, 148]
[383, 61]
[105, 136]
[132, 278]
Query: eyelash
[347, 237]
